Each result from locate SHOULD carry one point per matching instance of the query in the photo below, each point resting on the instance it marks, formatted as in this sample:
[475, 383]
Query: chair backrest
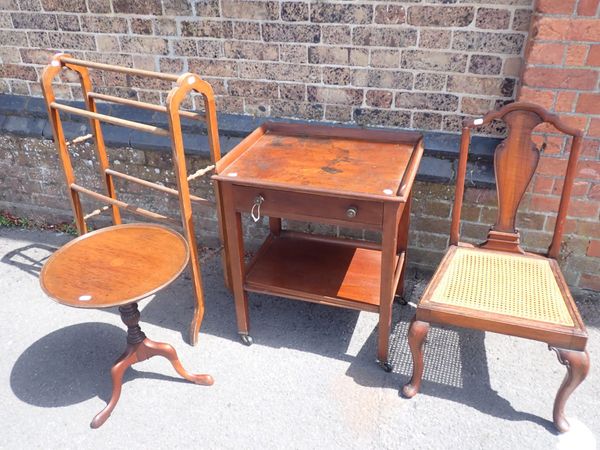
[515, 161]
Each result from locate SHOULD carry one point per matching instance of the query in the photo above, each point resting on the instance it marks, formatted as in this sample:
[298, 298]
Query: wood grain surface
[324, 271]
[342, 164]
[114, 266]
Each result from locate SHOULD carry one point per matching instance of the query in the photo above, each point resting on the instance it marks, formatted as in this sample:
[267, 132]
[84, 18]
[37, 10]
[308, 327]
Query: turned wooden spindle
[130, 315]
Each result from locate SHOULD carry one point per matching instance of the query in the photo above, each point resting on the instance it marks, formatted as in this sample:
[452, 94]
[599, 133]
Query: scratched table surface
[329, 163]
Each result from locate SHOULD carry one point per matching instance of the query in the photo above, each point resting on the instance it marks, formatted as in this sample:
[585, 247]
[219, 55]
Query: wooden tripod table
[117, 266]
[347, 177]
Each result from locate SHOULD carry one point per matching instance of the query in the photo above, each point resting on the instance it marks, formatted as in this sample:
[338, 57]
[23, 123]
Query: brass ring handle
[352, 212]
[257, 202]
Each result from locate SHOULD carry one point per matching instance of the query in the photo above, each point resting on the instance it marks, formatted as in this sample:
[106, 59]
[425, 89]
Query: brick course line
[161, 34]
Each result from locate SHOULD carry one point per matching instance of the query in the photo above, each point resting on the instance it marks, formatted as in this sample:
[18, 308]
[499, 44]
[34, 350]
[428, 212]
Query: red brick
[595, 193]
[547, 128]
[543, 185]
[594, 129]
[578, 122]
[576, 55]
[560, 78]
[554, 145]
[552, 29]
[569, 227]
[587, 7]
[541, 53]
[588, 103]
[594, 249]
[565, 101]
[556, 7]
[583, 208]
[590, 281]
[588, 228]
[575, 121]
[588, 169]
[537, 96]
[544, 203]
[552, 166]
[538, 139]
[579, 189]
[593, 58]
[590, 149]
[530, 221]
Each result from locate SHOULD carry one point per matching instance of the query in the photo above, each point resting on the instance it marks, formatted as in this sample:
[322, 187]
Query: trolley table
[353, 178]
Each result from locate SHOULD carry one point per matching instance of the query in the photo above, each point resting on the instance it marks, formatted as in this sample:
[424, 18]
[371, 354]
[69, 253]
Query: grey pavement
[309, 380]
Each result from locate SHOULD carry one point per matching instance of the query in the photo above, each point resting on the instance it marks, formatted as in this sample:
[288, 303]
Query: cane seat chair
[497, 286]
[119, 265]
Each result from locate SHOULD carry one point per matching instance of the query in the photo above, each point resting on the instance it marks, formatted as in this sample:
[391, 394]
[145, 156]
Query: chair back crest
[516, 159]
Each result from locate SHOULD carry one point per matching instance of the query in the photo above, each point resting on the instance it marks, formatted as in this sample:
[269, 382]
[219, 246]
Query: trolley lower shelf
[317, 269]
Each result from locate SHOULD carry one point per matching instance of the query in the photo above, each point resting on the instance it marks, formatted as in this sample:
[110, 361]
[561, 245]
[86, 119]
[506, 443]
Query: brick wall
[407, 64]
[561, 73]
[33, 187]
[421, 65]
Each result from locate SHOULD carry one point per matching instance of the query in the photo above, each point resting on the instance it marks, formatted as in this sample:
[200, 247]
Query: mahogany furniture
[123, 263]
[497, 286]
[347, 177]
[185, 84]
[117, 266]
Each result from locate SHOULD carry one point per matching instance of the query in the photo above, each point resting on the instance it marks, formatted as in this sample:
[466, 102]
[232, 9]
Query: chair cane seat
[521, 286]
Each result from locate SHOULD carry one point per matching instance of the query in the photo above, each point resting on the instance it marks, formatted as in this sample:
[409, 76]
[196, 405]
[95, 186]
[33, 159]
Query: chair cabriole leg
[416, 341]
[578, 365]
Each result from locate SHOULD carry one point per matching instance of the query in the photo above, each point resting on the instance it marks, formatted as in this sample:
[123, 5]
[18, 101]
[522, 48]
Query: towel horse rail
[183, 85]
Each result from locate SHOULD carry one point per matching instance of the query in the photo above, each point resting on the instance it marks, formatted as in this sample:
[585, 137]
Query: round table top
[114, 265]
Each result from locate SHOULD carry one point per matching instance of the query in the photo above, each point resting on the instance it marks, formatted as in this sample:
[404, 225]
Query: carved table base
[140, 348]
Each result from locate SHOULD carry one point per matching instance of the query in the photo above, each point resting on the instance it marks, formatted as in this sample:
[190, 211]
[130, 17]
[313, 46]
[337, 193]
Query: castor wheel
[246, 339]
[401, 300]
[385, 366]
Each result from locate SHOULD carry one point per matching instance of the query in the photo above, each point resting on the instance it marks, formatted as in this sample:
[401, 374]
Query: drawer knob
[352, 212]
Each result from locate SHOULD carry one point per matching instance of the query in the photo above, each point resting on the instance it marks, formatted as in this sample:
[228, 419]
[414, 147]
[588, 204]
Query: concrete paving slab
[309, 381]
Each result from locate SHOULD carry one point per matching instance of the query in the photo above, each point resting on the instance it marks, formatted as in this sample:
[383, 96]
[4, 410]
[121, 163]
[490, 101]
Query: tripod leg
[151, 348]
[117, 371]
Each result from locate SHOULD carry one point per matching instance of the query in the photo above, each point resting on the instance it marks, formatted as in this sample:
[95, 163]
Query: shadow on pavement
[29, 258]
[274, 322]
[455, 369]
[55, 372]
[72, 365]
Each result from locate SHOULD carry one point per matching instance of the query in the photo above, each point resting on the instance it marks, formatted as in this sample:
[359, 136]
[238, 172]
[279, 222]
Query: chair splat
[515, 161]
